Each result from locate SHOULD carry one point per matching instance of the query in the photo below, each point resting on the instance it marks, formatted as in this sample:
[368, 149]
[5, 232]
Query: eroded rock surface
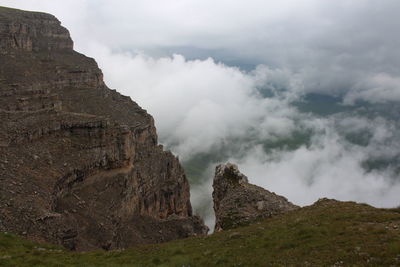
[79, 163]
[238, 203]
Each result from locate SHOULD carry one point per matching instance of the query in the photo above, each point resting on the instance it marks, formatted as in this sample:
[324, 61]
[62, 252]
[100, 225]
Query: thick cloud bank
[202, 106]
[198, 104]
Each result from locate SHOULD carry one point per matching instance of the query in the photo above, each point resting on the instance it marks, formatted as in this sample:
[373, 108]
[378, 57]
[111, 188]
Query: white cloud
[198, 104]
[381, 87]
[329, 168]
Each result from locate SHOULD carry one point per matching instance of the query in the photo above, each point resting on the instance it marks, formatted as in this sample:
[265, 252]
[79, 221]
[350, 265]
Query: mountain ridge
[79, 159]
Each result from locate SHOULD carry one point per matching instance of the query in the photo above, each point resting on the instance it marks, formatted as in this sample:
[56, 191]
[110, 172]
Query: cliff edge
[80, 165]
[239, 203]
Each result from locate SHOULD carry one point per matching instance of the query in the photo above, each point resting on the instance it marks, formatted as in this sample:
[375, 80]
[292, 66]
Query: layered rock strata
[79, 163]
[239, 203]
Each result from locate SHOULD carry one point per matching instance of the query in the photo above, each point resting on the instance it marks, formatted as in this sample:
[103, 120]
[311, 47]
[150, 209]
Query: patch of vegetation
[197, 166]
[325, 234]
[322, 105]
[382, 164]
[298, 139]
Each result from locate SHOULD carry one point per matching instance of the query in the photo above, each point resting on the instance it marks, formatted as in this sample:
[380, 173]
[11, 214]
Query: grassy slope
[325, 234]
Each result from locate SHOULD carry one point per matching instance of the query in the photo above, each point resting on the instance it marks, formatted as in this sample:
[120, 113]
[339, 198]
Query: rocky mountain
[239, 203]
[80, 165]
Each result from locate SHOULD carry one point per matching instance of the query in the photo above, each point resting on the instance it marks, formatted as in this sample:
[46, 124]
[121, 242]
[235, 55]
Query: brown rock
[89, 171]
[238, 203]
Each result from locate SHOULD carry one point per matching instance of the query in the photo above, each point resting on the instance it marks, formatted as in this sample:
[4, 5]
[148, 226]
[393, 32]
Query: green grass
[325, 234]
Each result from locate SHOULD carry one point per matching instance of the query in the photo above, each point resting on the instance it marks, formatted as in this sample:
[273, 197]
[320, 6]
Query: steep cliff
[238, 203]
[79, 163]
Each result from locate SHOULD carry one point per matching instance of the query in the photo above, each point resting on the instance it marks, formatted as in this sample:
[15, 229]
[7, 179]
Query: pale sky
[336, 47]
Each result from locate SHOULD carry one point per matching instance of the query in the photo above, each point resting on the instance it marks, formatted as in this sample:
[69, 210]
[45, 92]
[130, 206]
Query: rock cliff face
[238, 203]
[79, 163]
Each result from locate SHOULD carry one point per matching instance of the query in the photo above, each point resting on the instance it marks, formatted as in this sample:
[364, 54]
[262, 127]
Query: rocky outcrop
[32, 32]
[238, 203]
[79, 163]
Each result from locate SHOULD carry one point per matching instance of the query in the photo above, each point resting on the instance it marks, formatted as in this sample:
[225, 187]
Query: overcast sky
[197, 67]
[336, 47]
